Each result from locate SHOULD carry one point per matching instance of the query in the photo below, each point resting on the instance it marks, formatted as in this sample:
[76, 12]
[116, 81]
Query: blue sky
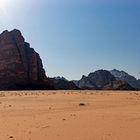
[75, 37]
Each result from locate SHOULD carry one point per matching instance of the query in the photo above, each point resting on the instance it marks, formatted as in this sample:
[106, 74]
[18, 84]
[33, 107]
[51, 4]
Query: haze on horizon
[75, 37]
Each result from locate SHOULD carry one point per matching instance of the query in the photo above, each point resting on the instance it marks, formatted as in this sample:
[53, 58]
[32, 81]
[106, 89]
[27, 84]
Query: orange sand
[57, 115]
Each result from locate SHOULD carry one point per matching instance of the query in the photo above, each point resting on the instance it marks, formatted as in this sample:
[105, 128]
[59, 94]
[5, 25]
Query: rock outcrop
[85, 83]
[102, 79]
[123, 76]
[63, 84]
[60, 78]
[118, 85]
[20, 65]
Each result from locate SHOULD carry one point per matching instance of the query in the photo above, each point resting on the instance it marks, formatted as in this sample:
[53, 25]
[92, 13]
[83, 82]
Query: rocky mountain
[102, 79]
[85, 83]
[20, 66]
[118, 85]
[62, 84]
[138, 82]
[123, 76]
[60, 78]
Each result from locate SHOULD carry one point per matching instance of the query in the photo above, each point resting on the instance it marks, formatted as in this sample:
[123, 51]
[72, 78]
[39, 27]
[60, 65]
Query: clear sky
[75, 37]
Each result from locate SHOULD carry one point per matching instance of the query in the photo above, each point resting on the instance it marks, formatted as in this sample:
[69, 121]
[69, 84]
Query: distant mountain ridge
[102, 79]
[60, 83]
[123, 76]
[60, 78]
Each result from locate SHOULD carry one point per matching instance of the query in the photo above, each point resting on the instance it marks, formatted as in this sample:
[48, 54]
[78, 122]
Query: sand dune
[70, 115]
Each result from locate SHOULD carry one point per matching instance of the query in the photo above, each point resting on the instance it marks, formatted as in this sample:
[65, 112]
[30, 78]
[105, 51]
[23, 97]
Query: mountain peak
[101, 79]
[124, 76]
[118, 73]
[20, 64]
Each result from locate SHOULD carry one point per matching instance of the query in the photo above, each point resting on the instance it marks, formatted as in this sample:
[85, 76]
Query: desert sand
[70, 115]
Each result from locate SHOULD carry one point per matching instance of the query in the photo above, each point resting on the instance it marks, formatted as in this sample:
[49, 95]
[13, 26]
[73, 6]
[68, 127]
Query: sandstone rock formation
[118, 85]
[85, 83]
[63, 84]
[21, 68]
[123, 76]
[102, 79]
[20, 65]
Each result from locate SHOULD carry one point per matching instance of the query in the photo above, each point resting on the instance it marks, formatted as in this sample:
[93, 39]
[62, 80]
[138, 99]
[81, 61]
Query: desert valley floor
[70, 115]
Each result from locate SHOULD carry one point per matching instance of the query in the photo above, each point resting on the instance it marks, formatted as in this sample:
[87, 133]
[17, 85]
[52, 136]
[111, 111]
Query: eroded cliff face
[19, 64]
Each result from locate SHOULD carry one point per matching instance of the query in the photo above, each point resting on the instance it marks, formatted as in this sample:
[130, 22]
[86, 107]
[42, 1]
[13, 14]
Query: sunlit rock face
[19, 64]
